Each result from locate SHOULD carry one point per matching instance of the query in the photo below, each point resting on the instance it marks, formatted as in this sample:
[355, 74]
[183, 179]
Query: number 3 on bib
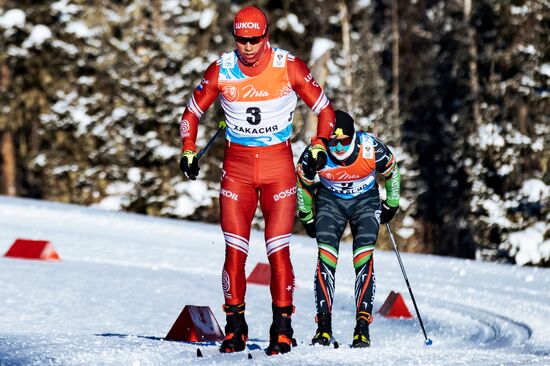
[255, 115]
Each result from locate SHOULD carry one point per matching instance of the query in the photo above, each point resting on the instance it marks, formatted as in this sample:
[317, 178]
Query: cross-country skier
[347, 192]
[257, 86]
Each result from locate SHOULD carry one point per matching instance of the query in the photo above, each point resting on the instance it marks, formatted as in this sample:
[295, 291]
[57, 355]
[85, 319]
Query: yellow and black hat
[344, 124]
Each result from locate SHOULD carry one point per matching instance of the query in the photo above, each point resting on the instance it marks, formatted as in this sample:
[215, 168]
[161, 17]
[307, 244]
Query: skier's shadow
[251, 346]
[119, 335]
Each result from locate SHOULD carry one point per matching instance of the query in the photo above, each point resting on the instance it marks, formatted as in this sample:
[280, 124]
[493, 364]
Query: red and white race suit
[259, 103]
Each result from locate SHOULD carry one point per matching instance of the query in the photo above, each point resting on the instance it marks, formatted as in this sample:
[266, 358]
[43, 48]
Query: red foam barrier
[32, 249]
[395, 307]
[195, 324]
[260, 275]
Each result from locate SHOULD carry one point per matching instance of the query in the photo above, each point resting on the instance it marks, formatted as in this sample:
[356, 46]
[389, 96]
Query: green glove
[317, 158]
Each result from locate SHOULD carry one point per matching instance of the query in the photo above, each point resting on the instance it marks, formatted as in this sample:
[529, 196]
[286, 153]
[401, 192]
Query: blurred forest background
[91, 92]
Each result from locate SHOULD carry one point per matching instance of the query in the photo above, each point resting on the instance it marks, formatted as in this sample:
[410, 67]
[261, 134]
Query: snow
[528, 49]
[405, 232]
[124, 278]
[519, 10]
[134, 175]
[489, 135]
[545, 69]
[119, 113]
[320, 46]
[13, 18]
[192, 194]
[80, 115]
[537, 145]
[166, 152]
[197, 64]
[39, 34]
[526, 244]
[505, 169]
[174, 6]
[295, 23]
[112, 203]
[207, 16]
[364, 4]
[117, 192]
[496, 211]
[79, 29]
[67, 47]
[86, 80]
[62, 169]
[65, 8]
[292, 21]
[404, 203]
[40, 160]
[408, 221]
[528, 81]
[17, 51]
[535, 190]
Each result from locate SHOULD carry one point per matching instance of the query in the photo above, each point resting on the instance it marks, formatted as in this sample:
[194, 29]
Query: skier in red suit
[257, 86]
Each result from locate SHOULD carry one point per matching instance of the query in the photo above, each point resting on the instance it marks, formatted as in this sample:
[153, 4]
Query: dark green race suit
[348, 192]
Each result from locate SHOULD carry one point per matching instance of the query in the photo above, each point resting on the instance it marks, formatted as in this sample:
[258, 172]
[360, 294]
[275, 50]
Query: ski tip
[249, 356]
[199, 353]
[429, 342]
[336, 345]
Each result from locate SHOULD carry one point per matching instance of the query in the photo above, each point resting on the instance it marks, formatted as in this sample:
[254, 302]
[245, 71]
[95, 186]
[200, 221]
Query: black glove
[387, 213]
[308, 220]
[189, 164]
[316, 160]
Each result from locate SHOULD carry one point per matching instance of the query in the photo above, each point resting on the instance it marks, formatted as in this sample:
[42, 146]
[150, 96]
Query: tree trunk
[319, 72]
[472, 63]
[207, 33]
[346, 50]
[395, 62]
[158, 23]
[8, 166]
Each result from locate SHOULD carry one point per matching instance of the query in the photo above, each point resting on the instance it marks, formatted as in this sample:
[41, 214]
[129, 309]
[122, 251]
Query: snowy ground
[124, 279]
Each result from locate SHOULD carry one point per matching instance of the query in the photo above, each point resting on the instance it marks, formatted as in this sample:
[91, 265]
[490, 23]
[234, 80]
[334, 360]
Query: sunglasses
[344, 141]
[340, 145]
[339, 148]
[251, 40]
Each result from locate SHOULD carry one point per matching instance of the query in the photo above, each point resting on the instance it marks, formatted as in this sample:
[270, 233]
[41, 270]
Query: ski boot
[324, 330]
[361, 337]
[236, 329]
[280, 332]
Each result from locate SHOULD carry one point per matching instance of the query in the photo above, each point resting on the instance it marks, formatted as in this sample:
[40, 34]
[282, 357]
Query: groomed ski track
[123, 280]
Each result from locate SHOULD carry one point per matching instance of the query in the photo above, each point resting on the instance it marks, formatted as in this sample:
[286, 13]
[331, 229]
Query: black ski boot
[324, 330]
[280, 332]
[236, 329]
[361, 337]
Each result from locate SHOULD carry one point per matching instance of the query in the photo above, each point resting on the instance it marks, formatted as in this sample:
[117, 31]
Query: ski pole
[428, 341]
[221, 126]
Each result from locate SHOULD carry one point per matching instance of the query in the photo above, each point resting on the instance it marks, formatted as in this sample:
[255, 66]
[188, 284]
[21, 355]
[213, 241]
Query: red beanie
[250, 22]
